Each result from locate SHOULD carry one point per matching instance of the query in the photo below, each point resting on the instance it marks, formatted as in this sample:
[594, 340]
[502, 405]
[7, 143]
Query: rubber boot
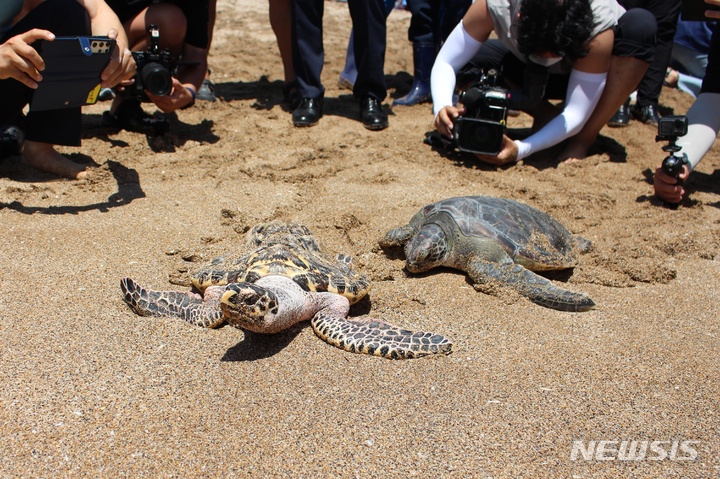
[423, 59]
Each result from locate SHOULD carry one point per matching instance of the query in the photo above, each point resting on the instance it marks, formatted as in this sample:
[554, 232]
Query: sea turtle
[494, 240]
[282, 281]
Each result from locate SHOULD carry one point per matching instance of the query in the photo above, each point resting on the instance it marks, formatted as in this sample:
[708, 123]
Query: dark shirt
[196, 12]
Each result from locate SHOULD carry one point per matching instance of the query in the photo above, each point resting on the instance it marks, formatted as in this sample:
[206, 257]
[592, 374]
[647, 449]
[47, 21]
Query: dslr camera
[481, 128]
[670, 128]
[155, 69]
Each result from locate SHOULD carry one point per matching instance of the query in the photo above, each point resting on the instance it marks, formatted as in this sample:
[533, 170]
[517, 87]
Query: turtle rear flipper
[377, 337]
[190, 307]
[533, 286]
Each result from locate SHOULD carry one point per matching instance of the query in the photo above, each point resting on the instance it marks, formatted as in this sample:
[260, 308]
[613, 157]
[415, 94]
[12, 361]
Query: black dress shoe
[308, 112]
[647, 114]
[622, 116]
[372, 114]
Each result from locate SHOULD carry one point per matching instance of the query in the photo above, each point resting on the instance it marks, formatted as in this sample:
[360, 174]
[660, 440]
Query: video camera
[670, 128]
[481, 128]
[155, 69]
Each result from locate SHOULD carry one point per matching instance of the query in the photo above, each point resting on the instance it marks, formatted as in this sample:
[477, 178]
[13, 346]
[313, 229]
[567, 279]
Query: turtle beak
[426, 249]
[228, 297]
[416, 257]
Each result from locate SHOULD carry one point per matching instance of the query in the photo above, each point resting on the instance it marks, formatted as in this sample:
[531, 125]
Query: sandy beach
[89, 389]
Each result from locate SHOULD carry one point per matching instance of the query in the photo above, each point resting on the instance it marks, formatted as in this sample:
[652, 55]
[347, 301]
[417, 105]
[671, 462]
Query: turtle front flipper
[533, 286]
[377, 337]
[190, 307]
[397, 236]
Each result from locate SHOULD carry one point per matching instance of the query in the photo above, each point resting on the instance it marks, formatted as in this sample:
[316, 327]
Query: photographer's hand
[667, 187]
[712, 14]
[121, 68]
[178, 98]
[508, 154]
[445, 118]
[22, 62]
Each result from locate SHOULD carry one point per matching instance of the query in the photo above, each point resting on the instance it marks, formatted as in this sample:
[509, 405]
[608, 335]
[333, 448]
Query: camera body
[670, 128]
[482, 127]
[155, 69]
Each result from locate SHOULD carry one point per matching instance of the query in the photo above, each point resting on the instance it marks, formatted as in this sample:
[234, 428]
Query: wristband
[194, 95]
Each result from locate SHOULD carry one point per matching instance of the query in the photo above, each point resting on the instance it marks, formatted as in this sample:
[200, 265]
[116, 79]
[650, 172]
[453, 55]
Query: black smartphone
[72, 72]
[694, 10]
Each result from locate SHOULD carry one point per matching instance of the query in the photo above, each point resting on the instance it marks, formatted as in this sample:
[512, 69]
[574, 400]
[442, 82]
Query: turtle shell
[529, 236]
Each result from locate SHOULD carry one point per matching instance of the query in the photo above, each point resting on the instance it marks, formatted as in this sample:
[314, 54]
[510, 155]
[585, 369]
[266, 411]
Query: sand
[89, 389]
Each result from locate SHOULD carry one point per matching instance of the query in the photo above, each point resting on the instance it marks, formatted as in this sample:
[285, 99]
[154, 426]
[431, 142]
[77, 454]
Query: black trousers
[57, 127]
[433, 20]
[666, 13]
[368, 19]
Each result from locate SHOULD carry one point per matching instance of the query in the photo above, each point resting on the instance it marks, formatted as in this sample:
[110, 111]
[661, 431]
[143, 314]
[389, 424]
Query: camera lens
[481, 137]
[156, 79]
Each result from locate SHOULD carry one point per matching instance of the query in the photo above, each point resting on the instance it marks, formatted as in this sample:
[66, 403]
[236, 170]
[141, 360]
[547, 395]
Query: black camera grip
[672, 165]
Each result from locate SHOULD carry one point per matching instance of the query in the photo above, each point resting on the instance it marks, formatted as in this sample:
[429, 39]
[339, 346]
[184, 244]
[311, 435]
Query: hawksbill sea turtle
[494, 240]
[282, 281]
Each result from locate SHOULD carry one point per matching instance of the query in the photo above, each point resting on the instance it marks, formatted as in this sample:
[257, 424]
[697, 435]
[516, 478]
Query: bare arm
[104, 22]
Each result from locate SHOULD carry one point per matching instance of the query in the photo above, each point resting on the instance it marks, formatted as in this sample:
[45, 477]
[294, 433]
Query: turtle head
[251, 307]
[427, 249]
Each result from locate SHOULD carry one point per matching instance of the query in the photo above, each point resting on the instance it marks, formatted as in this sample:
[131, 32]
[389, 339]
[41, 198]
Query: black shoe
[621, 117]
[130, 116]
[372, 114]
[647, 114]
[308, 113]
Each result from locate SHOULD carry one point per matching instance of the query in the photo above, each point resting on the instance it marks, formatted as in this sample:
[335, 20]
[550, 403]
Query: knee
[638, 25]
[636, 35]
[171, 23]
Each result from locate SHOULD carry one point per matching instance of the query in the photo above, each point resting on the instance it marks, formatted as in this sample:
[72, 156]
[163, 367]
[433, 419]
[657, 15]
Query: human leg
[648, 92]
[281, 23]
[44, 129]
[624, 74]
[368, 17]
[422, 35]
[349, 73]
[632, 52]
[207, 90]
[308, 56]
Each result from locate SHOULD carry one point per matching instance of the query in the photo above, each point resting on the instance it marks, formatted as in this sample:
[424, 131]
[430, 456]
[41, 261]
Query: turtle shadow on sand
[283, 280]
[255, 346]
[499, 243]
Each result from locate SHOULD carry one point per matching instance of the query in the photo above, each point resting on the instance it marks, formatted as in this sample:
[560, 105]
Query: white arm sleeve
[703, 127]
[458, 49]
[583, 93]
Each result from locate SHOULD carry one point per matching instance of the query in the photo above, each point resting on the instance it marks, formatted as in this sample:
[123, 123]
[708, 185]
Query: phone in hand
[73, 66]
[694, 10]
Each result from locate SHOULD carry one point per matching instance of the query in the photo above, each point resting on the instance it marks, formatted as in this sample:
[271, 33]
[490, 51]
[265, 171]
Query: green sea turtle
[494, 240]
[282, 281]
